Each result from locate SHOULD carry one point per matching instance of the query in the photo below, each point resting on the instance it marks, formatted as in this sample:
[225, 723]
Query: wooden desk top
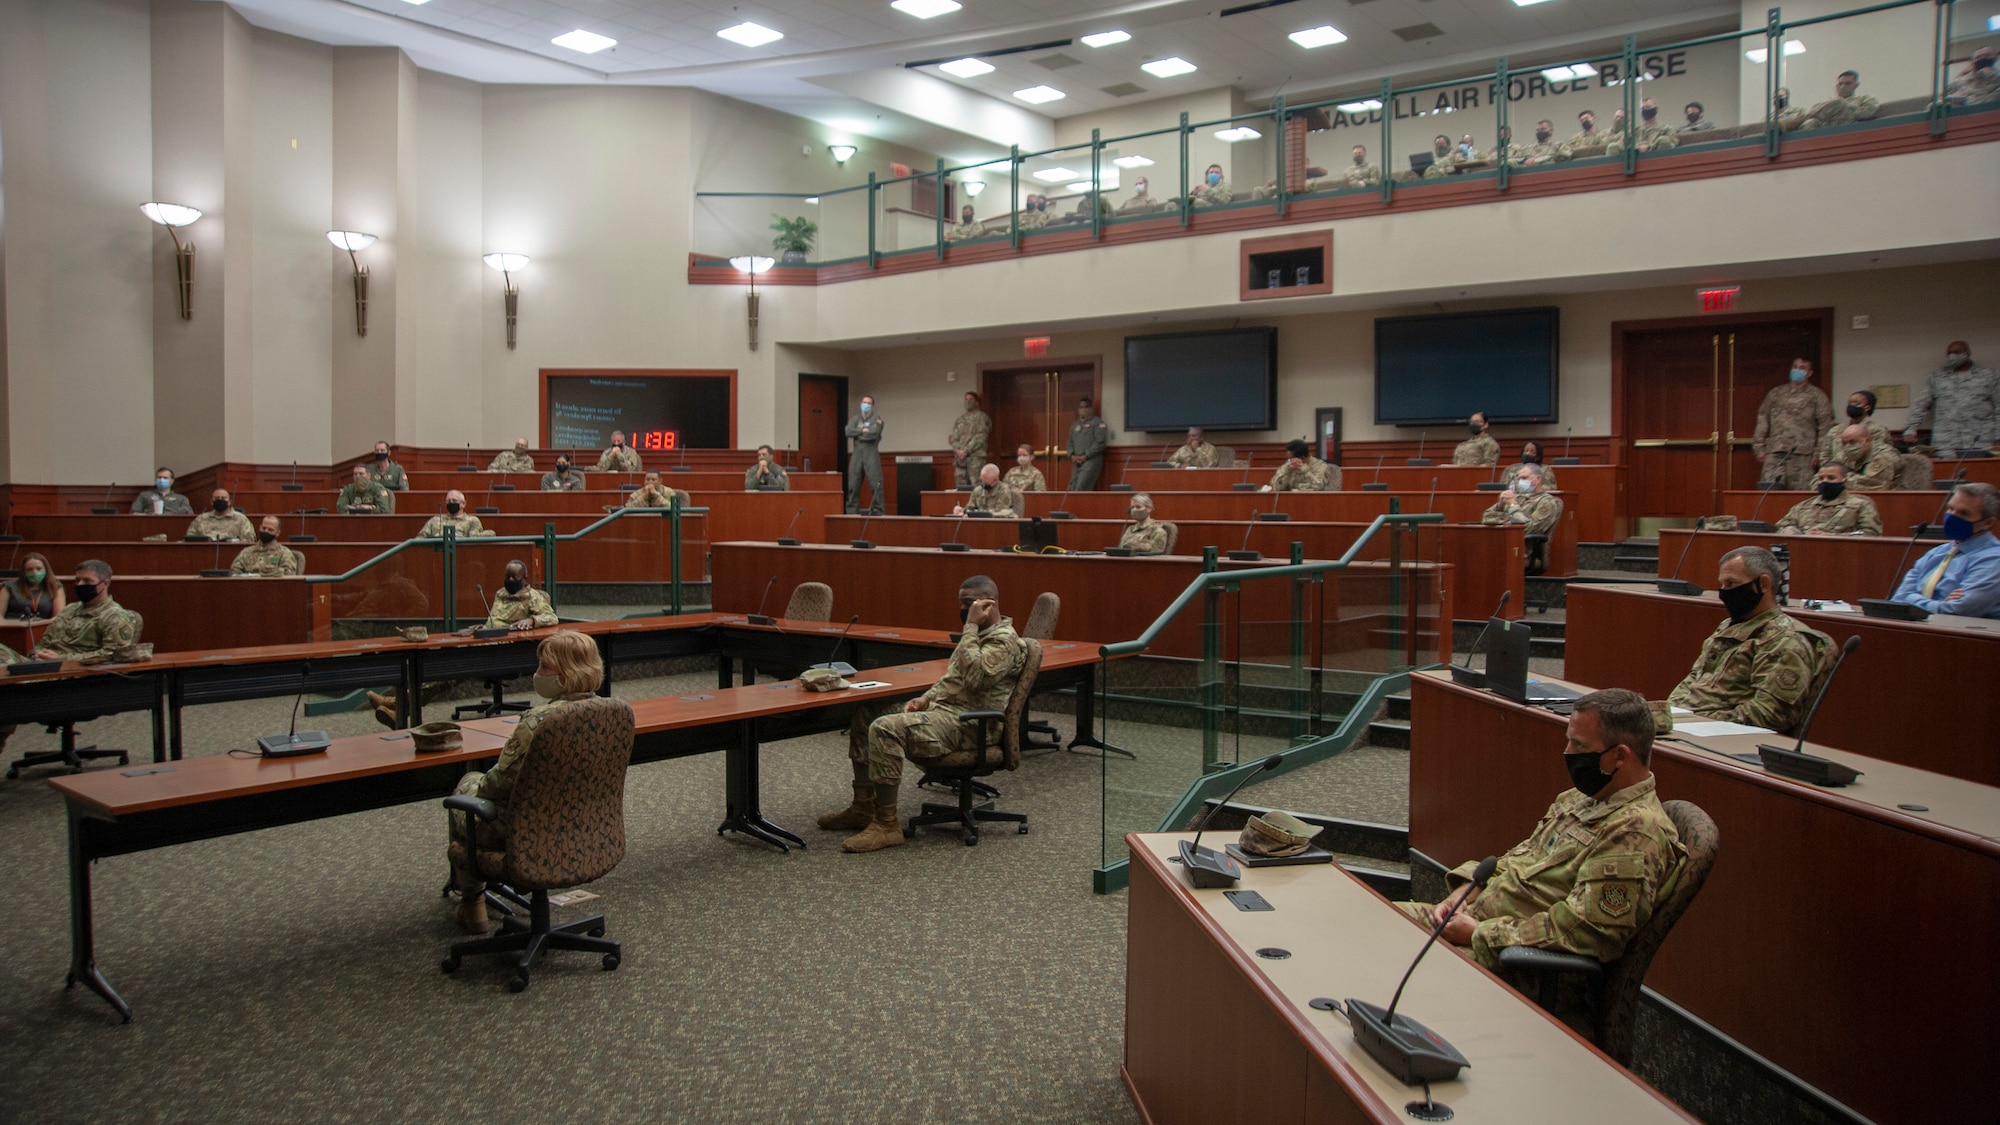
[1346, 941]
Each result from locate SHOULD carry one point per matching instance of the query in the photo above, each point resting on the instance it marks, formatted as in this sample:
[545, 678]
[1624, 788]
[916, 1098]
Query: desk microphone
[954, 544]
[468, 467]
[486, 505]
[1057, 513]
[1753, 524]
[683, 466]
[786, 539]
[302, 536]
[1958, 475]
[1166, 451]
[1569, 435]
[1420, 459]
[862, 541]
[1121, 486]
[1207, 867]
[1244, 553]
[1274, 515]
[1795, 763]
[1244, 485]
[104, 507]
[758, 617]
[1415, 1054]
[294, 741]
[1463, 674]
[294, 486]
[483, 632]
[840, 668]
[1674, 583]
[1376, 485]
[1888, 607]
[1431, 500]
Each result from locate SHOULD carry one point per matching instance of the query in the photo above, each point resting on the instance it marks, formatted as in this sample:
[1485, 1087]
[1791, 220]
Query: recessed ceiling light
[1322, 36]
[1368, 106]
[588, 42]
[924, 9]
[1528, 3]
[1132, 161]
[966, 68]
[1080, 185]
[1168, 67]
[1105, 38]
[1239, 133]
[416, 1]
[750, 34]
[1759, 54]
[1039, 94]
[1055, 175]
[1569, 73]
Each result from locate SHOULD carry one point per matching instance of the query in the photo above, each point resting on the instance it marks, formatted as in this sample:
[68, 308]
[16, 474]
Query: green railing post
[1299, 728]
[1211, 664]
[1940, 47]
[1631, 92]
[1284, 183]
[449, 578]
[1388, 112]
[1186, 208]
[1774, 54]
[549, 563]
[1014, 196]
[674, 561]
[937, 204]
[1501, 139]
[1096, 185]
[873, 203]
[1396, 661]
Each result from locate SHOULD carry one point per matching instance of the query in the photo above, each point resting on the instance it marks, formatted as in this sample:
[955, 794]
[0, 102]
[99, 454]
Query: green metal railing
[1635, 62]
[1282, 687]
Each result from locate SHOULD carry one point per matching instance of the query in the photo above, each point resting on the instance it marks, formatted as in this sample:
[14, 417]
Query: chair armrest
[1531, 959]
[477, 806]
[981, 716]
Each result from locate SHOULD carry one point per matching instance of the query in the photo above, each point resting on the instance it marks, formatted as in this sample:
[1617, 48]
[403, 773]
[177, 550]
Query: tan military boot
[385, 709]
[856, 816]
[471, 913]
[883, 831]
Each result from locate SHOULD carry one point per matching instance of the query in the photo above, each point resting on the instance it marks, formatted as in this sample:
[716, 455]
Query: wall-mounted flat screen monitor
[1226, 380]
[1436, 370]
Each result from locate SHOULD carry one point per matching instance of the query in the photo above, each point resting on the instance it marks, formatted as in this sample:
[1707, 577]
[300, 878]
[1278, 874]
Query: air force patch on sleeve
[1614, 899]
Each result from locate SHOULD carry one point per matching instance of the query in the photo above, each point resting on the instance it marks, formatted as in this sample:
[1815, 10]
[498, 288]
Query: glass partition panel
[1853, 69]
[1233, 163]
[843, 226]
[1141, 175]
[1057, 189]
[1342, 140]
[732, 225]
[405, 588]
[906, 213]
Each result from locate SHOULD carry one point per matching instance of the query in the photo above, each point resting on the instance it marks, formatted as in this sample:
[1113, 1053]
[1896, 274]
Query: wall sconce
[841, 153]
[353, 241]
[173, 216]
[974, 187]
[508, 265]
[753, 265]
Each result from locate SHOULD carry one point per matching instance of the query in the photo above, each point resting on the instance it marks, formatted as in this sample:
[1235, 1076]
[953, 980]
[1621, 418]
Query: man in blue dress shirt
[1963, 576]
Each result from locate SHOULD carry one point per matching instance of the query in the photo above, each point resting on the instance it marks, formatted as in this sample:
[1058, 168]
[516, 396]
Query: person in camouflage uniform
[1789, 422]
[766, 475]
[1591, 873]
[620, 458]
[1758, 667]
[654, 494]
[161, 499]
[1845, 107]
[1141, 199]
[267, 558]
[1024, 477]
[1089, 437]
[1978, 83]
[1144, 535]
[515, 460]
[968, 227]
[1034, 212]
[992, 495]
[1651, 136]
[562, 478]
[969, 432]
[462, 523]
[222, 522]
[1444, 159]
[1586, 136]
[1862, 444]
[517, 606]
[1480, 448]
[1545, 150]
[1961, 401]
[983, 669]
[1195, 453]
[385, 472]
[1531, 454]
[363, 496]
[1213, 190]
[1525, 503]
[569, 670]
[1361, 173]
[1835, 511]
[92, 628]
[1696, 123]
[1303, 472]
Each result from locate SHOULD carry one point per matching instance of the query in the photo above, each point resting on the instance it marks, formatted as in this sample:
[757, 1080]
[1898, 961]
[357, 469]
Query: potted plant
[795, 237]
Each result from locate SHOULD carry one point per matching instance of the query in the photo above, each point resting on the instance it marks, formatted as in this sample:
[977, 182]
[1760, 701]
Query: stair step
[1393, 733]
[1551, 647]
[1399, 706]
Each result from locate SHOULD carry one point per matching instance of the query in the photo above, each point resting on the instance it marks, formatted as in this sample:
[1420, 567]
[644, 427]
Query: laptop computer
[1507, 667]
[1421, 161]
[1037, 535]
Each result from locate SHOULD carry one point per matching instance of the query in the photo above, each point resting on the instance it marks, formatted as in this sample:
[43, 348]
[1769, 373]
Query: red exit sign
[1035, 345]
[1719, 300]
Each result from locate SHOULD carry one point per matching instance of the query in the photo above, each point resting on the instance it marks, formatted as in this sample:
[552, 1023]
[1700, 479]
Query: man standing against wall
[865, 428]
[1089, 437]
[969, 432]
[1793, 416]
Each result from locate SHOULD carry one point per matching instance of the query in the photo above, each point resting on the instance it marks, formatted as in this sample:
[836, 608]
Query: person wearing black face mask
[1961, 578]
[1835, 511]
[1480, 448]
[92, 628]
[1588, 876]
[1650, 136]
[518, 605]
[1531, 454]
[462, 524]
[562, 478]
[1837, 444]
[221, 522]
[267, 558]
[385, 472]
[1758, 667]
[1696, 122]
[620, 458]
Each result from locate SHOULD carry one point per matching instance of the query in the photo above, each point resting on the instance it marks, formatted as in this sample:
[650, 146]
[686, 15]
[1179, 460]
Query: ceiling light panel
[1105, 39]
[1528, 3]
[925, 9]
[1325, 35]
[588, 42]
[750, 34]
[1168, 67]
[1237, 133]
[1055, 175]
[1132, 161]
[1036, 95]
[966, 68]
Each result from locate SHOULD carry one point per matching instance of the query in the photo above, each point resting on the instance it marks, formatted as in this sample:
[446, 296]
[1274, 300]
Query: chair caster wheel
[596, 931]
[610, 961]
[449, 964]
[518, 984]
[971, 839]
[1023, 831]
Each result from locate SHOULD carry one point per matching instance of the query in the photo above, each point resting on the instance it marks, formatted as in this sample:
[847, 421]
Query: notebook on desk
[1507, 667]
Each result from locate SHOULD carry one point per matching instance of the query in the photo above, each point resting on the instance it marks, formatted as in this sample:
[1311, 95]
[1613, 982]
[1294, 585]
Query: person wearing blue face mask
[1213, 190]
[1962, 577]
[1526, 504]
[865, 428]
[1790, 421]
[161, 499]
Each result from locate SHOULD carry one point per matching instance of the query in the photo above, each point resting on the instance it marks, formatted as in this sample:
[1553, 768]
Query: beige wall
[291, 369]
[1891, 50]
[451, 317]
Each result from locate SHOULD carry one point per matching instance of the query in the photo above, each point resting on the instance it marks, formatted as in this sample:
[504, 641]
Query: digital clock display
[664, 441]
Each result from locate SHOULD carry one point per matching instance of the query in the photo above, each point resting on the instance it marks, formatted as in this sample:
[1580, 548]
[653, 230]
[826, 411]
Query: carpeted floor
[293, 972]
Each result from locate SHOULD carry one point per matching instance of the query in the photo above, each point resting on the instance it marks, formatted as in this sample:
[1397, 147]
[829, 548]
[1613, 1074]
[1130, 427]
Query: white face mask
[1524, 485]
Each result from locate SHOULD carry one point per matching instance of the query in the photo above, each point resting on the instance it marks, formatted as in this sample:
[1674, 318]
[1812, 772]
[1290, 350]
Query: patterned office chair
[1612, 988]
[811, 601]
[1035, 733]
[564, 826]
[1173, 536]
[996, 746]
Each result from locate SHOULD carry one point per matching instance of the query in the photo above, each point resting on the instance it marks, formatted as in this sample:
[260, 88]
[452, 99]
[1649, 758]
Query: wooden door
[1686, 393]
[822, 418]
[1033, 403]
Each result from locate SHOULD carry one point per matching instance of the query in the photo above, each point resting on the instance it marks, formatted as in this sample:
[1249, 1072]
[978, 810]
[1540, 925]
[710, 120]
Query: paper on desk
[1717, 728]
[869, 684]
[1833, 607]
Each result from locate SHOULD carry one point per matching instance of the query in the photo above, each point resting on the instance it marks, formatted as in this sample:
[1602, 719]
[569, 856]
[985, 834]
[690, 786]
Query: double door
[1033, 404]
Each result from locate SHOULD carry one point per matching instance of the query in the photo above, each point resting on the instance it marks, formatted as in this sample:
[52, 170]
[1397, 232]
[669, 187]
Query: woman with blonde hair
[34, 595]
[569, 670]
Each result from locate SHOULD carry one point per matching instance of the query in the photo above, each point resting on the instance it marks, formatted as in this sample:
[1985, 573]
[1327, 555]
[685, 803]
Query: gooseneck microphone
[294, 741]
[1463, 673]
[1244, 485]
[786, 539]
[1793, 761]
[683, 466]
[1420, 459]
[1674, 583]
[1431, 500]
[468, 467]
[758, 617]
[104, 507]
[482, 630]
[840, 667]
[1753, 523]
[1207, 867]
[1887, 606]
[1057, 513]
[1244, 553]
[862, 540]
[953, 544]
[294, 485]
[1569, 435]
[1415, 1054]
[1376, 484]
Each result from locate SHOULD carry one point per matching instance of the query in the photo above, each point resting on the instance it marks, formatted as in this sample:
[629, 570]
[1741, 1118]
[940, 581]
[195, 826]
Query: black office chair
[69, 753]
[1538, 554]
[996, 746]
[1037, 734]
